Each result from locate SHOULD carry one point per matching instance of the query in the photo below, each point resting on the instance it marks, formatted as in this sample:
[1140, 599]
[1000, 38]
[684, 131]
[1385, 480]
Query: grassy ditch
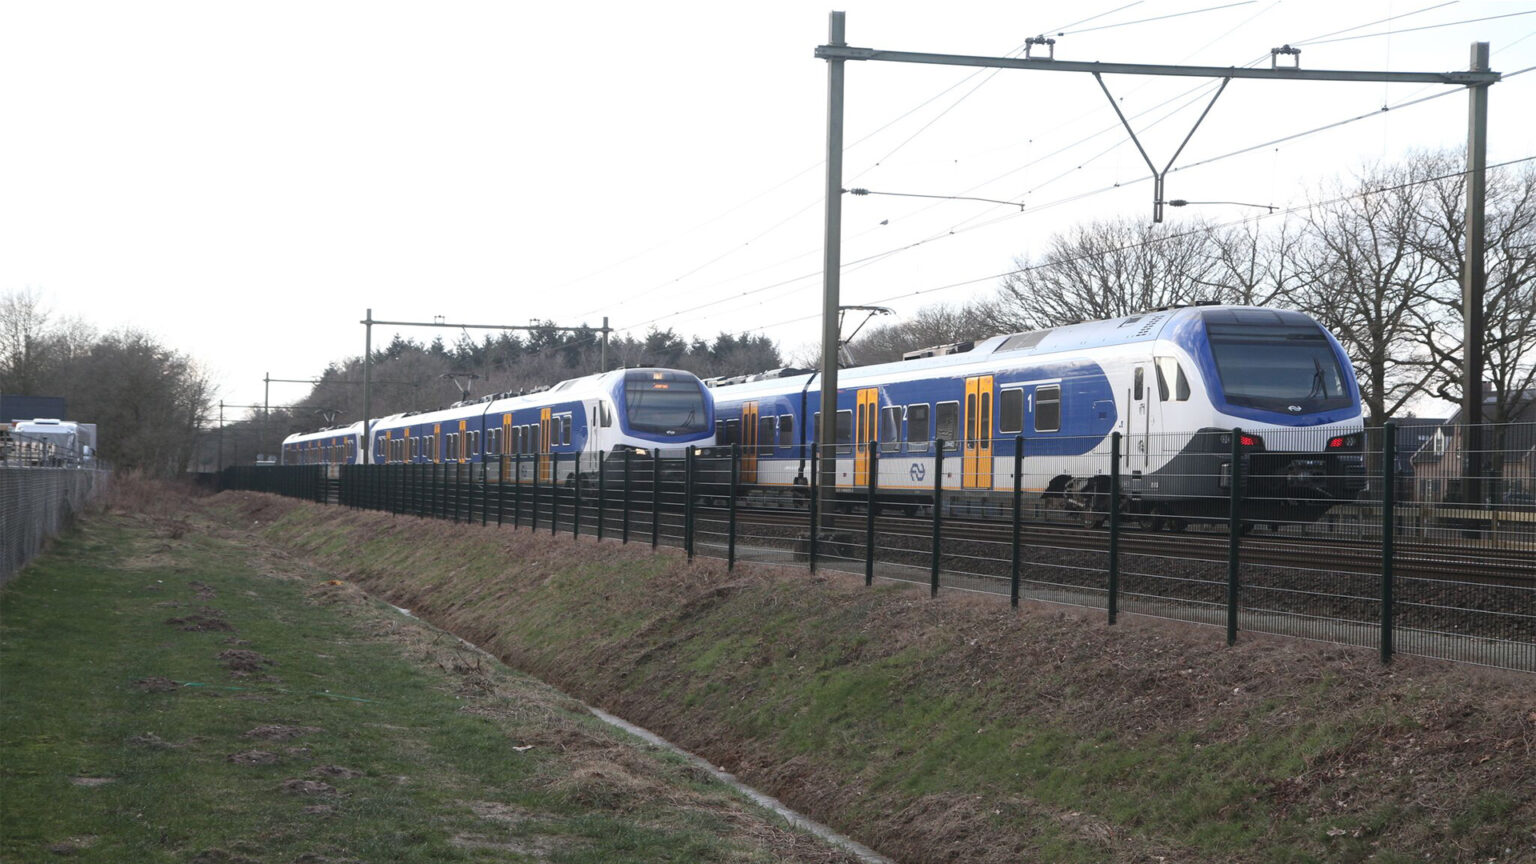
[173, 693]
[958, 730]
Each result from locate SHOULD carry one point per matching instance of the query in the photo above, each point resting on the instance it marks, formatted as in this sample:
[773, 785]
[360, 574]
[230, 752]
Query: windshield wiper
[1319, 381]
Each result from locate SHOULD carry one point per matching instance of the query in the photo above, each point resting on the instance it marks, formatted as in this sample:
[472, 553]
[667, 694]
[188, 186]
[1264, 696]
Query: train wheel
[1094, 508]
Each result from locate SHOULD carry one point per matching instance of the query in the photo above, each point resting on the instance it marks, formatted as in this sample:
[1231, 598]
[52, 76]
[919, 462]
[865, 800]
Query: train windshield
[1278, 367]
[664, 402]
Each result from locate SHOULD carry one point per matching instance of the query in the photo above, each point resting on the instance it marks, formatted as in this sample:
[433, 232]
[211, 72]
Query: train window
[844, 432]
[890, 428]
[1139, 389]
[732, 432]
[765, 436]
[565, 429]
[720, 432]
[534, 446]
[786, 430]
[946, 419]
[607, 414]
[1047, 409]
[918, 433]
[1010, 411]
[1169, 368]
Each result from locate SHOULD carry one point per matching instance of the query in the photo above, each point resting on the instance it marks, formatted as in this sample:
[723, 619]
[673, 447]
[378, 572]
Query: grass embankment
[172, 695]
[958, 730]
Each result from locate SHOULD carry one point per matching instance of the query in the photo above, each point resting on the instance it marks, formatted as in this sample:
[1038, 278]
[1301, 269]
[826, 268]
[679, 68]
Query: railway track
[1342, 555]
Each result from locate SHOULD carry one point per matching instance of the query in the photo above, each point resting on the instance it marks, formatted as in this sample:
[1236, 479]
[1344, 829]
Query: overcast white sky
[244, 180]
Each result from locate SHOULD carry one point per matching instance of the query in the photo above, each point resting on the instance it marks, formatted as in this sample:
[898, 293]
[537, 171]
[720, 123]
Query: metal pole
[730, 549]
[831, 267]
[221, 435]
[815, 503]
[534, 519]
[656, 500]
[367, 384]
[1473, 281]
[554, 493]
[602, 491]
[624, 529]
[602, 354]
[938, 501]
[1018, 501]
[1114, 526]
[266, 411]
[1388, 498]
[1234, 532]
[869, 516]
[688, 500]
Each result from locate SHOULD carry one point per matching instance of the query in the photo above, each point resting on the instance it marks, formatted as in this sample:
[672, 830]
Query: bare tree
[1107, 270]
[932, 325]
[1364, 276]
[1509, 332]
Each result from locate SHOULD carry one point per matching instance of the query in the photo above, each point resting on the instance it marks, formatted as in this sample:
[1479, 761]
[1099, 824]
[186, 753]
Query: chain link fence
[37, 503]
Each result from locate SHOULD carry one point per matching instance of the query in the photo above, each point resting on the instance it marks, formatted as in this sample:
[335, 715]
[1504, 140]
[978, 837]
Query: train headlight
[1343, 442]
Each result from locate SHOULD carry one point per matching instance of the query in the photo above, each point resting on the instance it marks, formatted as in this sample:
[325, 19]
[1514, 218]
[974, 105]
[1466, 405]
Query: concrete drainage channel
[768, 802]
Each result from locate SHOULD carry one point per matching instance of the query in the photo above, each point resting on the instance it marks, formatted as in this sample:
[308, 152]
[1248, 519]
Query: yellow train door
[542, 460]
[865, 421]
[976, 471]
[749, 443]
[504, 447]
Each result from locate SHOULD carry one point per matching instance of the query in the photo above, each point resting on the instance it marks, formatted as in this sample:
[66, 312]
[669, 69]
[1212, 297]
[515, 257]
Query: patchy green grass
[176, 699]
[926, 727]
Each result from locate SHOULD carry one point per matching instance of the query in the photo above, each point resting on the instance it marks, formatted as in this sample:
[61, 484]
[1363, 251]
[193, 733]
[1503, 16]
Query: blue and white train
[1172, 382]
[647, 412]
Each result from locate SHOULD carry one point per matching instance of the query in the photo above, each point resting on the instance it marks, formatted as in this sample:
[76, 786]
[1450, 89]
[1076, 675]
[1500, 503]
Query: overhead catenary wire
[735, 248]
[1038, 208]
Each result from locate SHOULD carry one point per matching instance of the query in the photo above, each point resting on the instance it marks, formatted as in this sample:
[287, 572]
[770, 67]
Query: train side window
[607, 414]
[1139, 389]
[1048, 409]
[918, 433]
[1169, 368]
[1010, 411]
[844, 432]
[565, 429]
[732, 432]
[534, 445]
[890, 428]
[720, 432]
[765, 436]
[786, 430]
[946, 417]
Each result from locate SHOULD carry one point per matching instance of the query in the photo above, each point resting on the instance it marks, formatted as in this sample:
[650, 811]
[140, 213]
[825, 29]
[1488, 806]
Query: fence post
[815, 501]
[517, 491]
[624, 524]
[730, 540]
[485, 492]
[688, 501]
[938, 502]
[1018, 501]
[576, 496]
[554, 493]
[1234, 532]
[869, 518]
[1388, 529]
[602, 491]
[1114, 526]
[533, 518]
[656, 499]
